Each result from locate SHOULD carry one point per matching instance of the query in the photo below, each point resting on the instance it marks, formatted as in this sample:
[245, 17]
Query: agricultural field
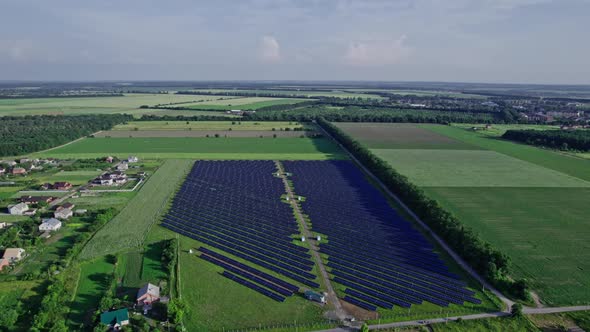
[210, 129]
[95, 279]
[130, 227]
[128, 103]
[526, 201]
[247, 103]
[303, 93]
[200, 148]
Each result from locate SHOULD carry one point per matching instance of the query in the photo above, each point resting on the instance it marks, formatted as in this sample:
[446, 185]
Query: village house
[18, 171]
[132, 159]
[18, 209]
[2, 170]
[50, 225]
[103, 180]
[36, 199]
[109, 159]
[3, 225]
[123, 166]
[63, 213]
[115, 319]
[62, 186]
[11, 256]
[148, 294]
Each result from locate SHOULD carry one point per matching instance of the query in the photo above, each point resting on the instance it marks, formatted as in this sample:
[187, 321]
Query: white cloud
[376, 53]
[270, 50]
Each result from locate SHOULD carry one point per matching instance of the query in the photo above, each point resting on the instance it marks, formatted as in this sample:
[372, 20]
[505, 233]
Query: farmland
[128, 103]
[303, 93]
[206, 125]
[200, 148]
[130, 227]
[248, 103]
[528, 202]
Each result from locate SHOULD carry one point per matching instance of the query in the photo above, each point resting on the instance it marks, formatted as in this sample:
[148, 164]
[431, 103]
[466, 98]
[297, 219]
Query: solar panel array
[377, 255]
[235, 206]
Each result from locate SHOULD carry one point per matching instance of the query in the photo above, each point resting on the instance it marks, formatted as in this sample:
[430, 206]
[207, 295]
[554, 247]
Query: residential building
[18, 171]
[2, 170]
[18, 209]
[36, 199]
[50, 225]
[11, 256]
[62, 186]
[63, 213]
[148, 294]
[132, 159]
[115, 319]
[123, 166]
[109, 159]
[3, 225]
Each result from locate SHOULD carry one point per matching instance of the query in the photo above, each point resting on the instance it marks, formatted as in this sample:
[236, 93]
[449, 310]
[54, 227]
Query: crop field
[473, 168]
[303, 93]
[94, 281]
[74, 177]
[530, 203]
[200, 148]
[130, 227]
[128, 103]
[207, 125]
[401, 136]
[544, 230]
[247, 103]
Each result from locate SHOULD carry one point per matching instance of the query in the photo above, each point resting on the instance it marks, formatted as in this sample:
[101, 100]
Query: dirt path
[339, 311]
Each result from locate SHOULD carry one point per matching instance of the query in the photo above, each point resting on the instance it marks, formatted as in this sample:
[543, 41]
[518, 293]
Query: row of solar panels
[380, 258]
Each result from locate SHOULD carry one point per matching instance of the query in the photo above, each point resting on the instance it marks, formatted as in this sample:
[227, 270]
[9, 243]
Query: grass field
[303, 93]
[247, 103]
[530, 203]
[401, 136]
[94, 281]
[130, 227]
[205, 125]
[200, 148]
[570, 165]
[473, 168]
[74, 177]
[544, 230]
[128, 103]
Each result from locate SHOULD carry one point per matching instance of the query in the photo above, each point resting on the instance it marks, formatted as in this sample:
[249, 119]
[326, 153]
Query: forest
[557, 139]
[20, 135]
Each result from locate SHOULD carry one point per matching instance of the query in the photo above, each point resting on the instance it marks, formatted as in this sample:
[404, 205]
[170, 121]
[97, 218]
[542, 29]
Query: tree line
[488, 261]
[20, 135]
[556, 139]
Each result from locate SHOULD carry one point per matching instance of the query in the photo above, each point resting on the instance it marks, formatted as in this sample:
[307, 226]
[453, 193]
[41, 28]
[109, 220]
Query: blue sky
[522, 41]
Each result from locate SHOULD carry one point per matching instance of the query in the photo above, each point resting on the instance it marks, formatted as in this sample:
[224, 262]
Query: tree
[516, 310]
[365, 328]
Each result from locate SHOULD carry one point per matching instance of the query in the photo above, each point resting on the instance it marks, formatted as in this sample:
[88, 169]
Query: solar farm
[244, 224]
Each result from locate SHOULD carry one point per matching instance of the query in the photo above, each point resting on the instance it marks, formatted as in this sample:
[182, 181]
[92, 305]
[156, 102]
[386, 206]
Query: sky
[497, 41]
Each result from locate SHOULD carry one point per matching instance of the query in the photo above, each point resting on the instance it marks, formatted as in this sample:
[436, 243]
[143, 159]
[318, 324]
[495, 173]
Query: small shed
[115, 319]
[315, 296]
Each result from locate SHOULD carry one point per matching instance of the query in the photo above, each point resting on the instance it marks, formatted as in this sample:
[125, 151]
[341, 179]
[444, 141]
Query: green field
[473, 168]
[94, 281]
[206, 125]
[303, 93]
[130, 227]
[400, 136]
[247, 103]
[530, 203]
[120, 104]
[560, 162]
[200, 148]
[544, 230]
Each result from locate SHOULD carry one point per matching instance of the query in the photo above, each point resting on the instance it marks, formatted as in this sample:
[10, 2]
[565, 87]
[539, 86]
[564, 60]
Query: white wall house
[50, 225]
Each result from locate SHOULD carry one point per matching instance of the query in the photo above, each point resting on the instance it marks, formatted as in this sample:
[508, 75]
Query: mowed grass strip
[570, 165]
[202, 133]
[546, 232]
[473, 168]
[95, 277]
[130, 227]
[201, 148]
[400, 136]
